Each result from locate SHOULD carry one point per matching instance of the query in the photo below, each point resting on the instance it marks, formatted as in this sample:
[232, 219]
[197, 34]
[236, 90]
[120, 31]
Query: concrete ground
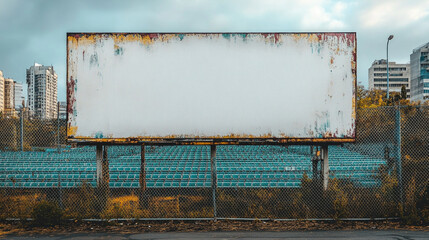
[356, 234]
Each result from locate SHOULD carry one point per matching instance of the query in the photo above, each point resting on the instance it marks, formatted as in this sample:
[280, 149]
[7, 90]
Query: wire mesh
[384, 174]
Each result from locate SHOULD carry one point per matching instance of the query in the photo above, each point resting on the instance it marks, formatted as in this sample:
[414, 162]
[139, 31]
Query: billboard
[211, 88]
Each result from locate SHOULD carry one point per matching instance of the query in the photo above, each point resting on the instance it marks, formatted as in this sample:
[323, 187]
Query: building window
[391, 79]
[390, 85]
[390, 74]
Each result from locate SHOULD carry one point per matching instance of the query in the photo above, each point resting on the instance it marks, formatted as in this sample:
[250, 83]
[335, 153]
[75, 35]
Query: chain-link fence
[384, 174]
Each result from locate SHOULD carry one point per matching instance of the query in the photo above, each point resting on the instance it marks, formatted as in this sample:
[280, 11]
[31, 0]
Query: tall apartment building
[42, 91]
[19, 95]
[1, 92]
[399, 75]
[9, 97]
[419, 61]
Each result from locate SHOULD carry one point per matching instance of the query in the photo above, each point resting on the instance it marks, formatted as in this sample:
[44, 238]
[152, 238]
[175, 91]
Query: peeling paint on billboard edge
[149, 38]
[211, 141]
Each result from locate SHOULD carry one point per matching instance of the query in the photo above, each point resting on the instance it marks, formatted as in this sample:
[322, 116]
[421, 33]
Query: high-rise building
[399, 75]
[1, 92]
[419, 61]
[19, 95]
[9, 97]
[42, 91]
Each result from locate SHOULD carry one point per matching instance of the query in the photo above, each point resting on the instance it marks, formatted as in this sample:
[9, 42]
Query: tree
[370, 98]
[377, 98]
[403, 92]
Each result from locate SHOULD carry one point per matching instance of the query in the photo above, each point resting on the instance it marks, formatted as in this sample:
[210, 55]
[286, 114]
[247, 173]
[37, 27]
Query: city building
[9, 97]
[19, 95]
[399, 75]
[1, 92]
[42, 91]
[63, 110]
[419, 61]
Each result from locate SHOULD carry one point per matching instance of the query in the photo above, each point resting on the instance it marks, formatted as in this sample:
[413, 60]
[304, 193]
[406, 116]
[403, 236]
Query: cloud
[318, 17]
[309, 14]
[35, 30]
[392, 13]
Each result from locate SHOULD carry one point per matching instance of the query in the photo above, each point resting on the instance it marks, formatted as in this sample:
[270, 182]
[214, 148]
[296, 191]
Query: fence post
[58, 127]
[398, 152]
[214, 178]
[22, 128]
[60, 192]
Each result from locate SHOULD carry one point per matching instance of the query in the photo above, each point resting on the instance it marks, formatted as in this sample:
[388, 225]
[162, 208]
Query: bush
[338, 199]
[423, 206]
[21, 206]
[46, 214]
[123, 207]
[415, 209]
[82, 203]
[3, 205]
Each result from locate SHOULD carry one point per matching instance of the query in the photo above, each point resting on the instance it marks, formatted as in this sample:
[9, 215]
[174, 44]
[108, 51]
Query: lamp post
[387, 61]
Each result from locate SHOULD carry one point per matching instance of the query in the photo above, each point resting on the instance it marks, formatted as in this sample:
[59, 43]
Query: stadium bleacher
[183, 166]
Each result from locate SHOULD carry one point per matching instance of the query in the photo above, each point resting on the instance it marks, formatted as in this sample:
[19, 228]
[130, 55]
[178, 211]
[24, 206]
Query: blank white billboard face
[211, 86]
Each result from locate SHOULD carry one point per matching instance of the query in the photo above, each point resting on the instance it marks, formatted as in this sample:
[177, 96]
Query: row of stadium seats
[181, 169]
[178, 166]
[150, 184]
[176, 176]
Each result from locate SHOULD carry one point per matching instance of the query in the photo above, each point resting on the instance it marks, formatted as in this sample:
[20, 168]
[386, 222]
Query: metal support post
[58, 127]
[102, 175]
[60, 193]
[398, 153]
[99, 157]
[387, 62]
[325, 167]
[22, 129]
[143, 197]
[105, 169]
[214, 178]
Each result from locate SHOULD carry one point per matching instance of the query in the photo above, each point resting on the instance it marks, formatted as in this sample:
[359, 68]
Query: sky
[35, 30]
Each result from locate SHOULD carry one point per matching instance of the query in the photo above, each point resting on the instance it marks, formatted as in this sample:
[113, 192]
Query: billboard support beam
[142, 180]
[99, 157]
[214, 177]
[325, 167]
[103, 175]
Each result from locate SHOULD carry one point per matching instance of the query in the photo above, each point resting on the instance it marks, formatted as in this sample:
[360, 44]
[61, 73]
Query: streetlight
[387, 52]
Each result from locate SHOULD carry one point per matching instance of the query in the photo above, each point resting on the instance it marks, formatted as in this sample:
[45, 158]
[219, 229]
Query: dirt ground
[26, 228]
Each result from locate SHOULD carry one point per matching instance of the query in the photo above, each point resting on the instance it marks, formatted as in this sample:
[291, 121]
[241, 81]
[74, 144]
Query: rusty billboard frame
[212, 140]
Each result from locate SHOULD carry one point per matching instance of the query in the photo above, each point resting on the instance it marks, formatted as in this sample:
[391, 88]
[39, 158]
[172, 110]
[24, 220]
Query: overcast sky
[35, 30]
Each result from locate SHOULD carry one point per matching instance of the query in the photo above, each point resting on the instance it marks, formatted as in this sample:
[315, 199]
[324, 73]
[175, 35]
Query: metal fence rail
[384, 174]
